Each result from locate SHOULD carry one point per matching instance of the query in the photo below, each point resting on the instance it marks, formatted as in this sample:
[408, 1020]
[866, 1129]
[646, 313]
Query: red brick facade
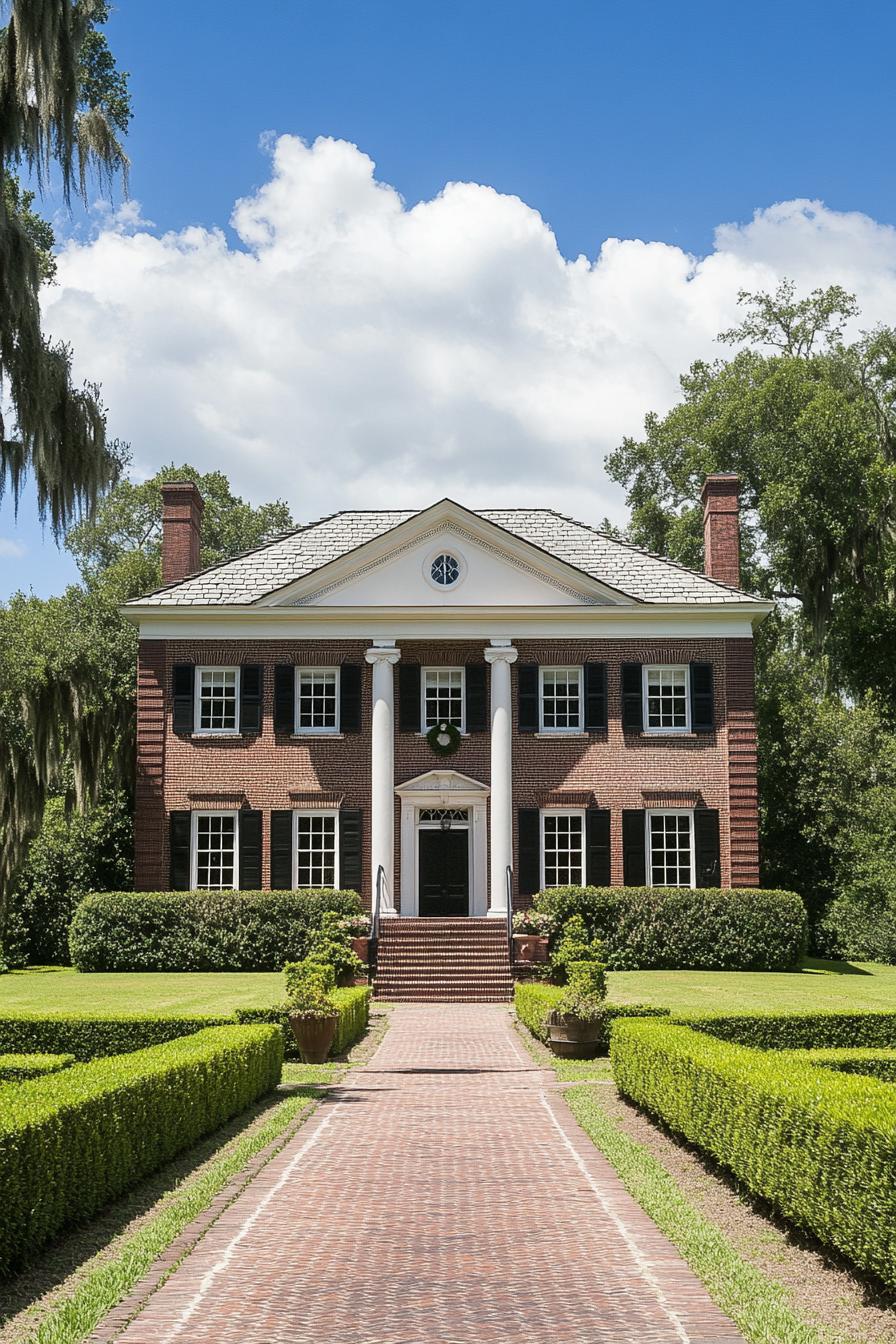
[612, 768]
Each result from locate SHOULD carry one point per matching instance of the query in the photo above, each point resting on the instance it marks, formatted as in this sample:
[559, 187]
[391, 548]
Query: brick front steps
[443, 961]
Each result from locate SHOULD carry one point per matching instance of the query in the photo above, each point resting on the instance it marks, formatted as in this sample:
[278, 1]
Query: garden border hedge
[533, 1002]
[353, 1004]
[96, 1035]
[798, 1031]
[17, 1067]
[78, 1139]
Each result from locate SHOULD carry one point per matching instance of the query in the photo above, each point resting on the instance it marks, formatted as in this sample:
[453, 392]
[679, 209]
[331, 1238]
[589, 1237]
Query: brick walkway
[442, 1193]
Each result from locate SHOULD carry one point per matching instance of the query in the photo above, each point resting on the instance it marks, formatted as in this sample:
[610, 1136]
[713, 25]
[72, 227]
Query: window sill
[561, 736]
[429, 730]
[317, 737]
[675, 733]
[227, 734]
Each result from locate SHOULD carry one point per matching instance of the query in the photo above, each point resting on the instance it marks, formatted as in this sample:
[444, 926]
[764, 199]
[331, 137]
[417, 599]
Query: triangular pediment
[490, 568]
[442, 784]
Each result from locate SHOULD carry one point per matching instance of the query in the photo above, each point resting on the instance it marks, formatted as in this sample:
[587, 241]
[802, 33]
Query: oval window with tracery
[445, 570]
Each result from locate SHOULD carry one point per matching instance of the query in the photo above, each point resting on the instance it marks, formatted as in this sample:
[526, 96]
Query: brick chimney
[182, 507]
[721, 527]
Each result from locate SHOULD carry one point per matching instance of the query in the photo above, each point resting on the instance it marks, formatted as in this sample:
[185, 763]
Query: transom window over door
[667, 703]
[561, 699]
[214, 851]
[562, 849]
[443, 696]
[316, 850]
[217, 699]
[317, 699]
[670, 849]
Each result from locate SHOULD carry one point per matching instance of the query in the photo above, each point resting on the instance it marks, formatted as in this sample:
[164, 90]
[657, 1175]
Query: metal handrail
[509, 882]
[377, 902]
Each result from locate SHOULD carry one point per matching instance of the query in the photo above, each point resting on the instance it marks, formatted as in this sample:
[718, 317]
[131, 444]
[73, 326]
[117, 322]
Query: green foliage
[799, 1031]
[331, 946]
[818, 1145]
[309, 987]
[352, 1005]
[871, 1063]
[75, 1141]
[15, 1068]
[534, 1004]
[95, 1035]
[199, 930]
[655, 928]
[574, 944]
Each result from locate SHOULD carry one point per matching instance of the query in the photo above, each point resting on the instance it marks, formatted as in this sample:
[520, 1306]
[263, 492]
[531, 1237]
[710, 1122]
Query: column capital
[382, 653]
[500, 653]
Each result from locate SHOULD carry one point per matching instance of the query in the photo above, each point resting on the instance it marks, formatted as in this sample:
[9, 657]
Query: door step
[443, 961]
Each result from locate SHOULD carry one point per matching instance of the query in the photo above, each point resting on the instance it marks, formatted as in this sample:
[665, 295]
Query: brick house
[599, 703]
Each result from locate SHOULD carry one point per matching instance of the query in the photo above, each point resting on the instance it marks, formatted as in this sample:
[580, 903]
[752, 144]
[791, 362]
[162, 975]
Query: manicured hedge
[533, 1002]
[15, 1068]
[91, 1036]
[820, 1146]
[354, 1011]
[800, 1031]
[685, 928]
[199, 930]
[873, 1063]
[75, 1141]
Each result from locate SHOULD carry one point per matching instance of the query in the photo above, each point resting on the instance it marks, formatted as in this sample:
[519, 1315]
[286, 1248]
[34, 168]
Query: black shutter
[529, 828]
[250, 699]
[281, 851]
[350, 698]
[408, 698]
[179, 846]
[284, 699]
[595, 696]
[527, 698]
[702, 708]
[250, 850]
[597, 852]
[632, 699]
[707, 866]
[182, 676]
[475, 679]
[350, 849]
[634, 859]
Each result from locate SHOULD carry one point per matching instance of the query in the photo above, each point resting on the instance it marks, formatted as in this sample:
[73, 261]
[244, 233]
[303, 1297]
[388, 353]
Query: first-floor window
[670, 849]
[316, 849]
[443, 696]
[562, 849]
[217, 697]
[667, 704]
[214, 850]
[317, 695]
[561, 699]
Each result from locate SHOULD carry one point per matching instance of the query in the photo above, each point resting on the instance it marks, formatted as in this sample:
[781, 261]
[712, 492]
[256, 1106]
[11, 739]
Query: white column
[500, 653]
[383, 657]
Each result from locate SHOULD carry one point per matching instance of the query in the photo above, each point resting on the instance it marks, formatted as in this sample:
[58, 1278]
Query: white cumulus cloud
[347, 351]
[11, 550]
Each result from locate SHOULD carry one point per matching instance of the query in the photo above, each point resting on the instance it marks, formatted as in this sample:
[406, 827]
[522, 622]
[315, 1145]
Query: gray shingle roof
[251, 576]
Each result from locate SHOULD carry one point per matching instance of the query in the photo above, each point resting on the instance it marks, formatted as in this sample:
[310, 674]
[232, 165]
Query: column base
[497, 914]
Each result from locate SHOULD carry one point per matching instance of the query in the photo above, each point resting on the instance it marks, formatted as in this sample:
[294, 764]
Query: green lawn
[820, 985]
[67, 991]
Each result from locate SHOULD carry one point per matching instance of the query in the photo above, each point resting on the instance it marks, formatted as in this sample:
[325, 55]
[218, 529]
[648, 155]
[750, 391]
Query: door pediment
[442, 788]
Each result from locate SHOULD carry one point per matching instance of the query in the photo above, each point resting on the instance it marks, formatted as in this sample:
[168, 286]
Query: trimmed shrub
[873, 1063]
[199, 930]
[95, 1036]
[535, 1002]
[75, 1141]
[353, 1005]
[799, 1031]
[686, 928]
[820, 1146]
[14, 1068]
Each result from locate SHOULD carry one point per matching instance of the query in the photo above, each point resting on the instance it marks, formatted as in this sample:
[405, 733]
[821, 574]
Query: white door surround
[444, 789]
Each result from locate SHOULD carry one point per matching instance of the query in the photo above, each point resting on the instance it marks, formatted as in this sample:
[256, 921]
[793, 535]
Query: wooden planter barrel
[573, 1039]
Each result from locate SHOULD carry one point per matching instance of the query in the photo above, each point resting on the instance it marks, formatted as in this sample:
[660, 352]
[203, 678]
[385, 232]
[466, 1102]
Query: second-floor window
[666, 700]
[217, 699]
[561, 699]
[443, 696]
[317, 700]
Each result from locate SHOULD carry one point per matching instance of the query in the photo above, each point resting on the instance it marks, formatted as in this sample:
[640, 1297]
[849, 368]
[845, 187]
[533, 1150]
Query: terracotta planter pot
[314, 1036]
[530, 947]
[361, 949]
[572, 1038]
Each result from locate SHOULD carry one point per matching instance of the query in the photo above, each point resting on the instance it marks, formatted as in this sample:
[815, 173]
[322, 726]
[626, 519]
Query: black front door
[444, 877]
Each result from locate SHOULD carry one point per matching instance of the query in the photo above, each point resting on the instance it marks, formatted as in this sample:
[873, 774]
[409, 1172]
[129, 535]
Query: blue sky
[637, 121]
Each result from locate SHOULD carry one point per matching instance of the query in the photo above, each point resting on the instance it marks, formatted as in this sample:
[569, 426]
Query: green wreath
[443, 738]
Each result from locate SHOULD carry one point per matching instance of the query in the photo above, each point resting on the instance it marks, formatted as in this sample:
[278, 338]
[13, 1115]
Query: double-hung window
[214, 849]
[442, 693]
[316, 849]
[317, 700]
[667, 702]
[217, 700]
[670, 849]
[562, 849]
[560, 700]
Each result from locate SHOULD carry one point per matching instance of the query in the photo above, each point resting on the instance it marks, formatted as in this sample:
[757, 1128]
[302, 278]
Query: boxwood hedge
[533, 1003]
[91, 1036]
[74, 1141]
[800, 1031]
[687, 928]
[819, 1145]
[199, 930]
[14, 1068]
[354, 1010]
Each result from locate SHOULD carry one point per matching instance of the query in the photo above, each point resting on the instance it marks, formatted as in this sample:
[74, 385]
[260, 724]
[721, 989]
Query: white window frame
[197, 702]
[666, 667]
[462, 726]
[559, 812]
[194, 848]
[298, 729]
[315, 812]
[579, 728]
[648, 850]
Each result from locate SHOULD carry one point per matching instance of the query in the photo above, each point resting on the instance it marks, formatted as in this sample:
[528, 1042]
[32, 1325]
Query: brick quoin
[613, 769]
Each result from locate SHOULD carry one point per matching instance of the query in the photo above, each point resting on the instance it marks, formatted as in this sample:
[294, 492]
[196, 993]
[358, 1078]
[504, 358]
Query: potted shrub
[573, 946]
[531, 934]
[331, 945]
[313, 1016]
[576, 1026]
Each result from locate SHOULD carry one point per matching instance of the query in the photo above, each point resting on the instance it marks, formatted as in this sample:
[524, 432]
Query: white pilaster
[500, 654]
[383, 657]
